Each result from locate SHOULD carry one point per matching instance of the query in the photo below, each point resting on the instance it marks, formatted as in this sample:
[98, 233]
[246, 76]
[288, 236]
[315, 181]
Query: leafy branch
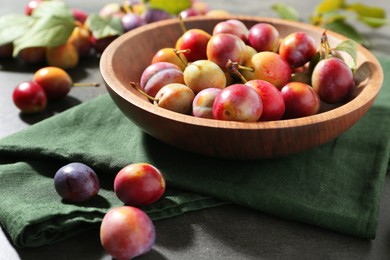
[335, 15]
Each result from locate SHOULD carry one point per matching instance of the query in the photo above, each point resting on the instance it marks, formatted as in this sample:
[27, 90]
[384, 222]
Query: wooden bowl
[125, 59]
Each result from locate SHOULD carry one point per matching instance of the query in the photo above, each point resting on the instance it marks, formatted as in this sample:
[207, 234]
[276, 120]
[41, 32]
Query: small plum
[154, 15]
[202, 74]
[55, 81]
[76, 182]
[79, 15]
[223, 47]
[300, 100]
[201, 7]
[64, 56]
[6, 50]
[196, 41]
[298, 48]
[111, 9]
[250, 51]
[33, 55]
[159, 74]
[81, 39]
[131, 21]
[168, 55]
[29, 97]
[218, 13]
[189, 12]
[232, 26]
[175, 97]
[31, 6]
[263, 37]
[127, 232]
[100, 44]
[333, 80]
[238, 102]
[273, 103]
[268, 66]
[202, 106]
[139, 184]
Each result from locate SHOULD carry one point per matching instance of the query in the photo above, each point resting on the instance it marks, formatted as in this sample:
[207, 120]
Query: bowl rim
[370, 91]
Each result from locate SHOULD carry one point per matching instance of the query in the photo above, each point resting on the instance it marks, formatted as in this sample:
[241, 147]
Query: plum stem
[136, 86]
[182, 25]
[177, 52]
[234, 66]
[79, 84]
[324, 46]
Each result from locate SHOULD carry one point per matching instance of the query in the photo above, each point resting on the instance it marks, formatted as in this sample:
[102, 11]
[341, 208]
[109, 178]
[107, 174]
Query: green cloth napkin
[336, 186]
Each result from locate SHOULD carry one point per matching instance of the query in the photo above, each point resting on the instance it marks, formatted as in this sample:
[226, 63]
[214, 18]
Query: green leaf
[46, 31]
[328, 5]
[286, 12]
[13, 26]
[102, 27]
[52, 8]
[348, 31]
[349, 46]
[367, 11]
[373, 22]
[173, 7]
[330, 17]
[370, 15]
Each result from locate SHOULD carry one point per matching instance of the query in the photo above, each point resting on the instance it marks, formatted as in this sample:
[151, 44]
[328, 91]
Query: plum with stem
[268, 66]
[196, 41]
[175, 97]
[56, 82]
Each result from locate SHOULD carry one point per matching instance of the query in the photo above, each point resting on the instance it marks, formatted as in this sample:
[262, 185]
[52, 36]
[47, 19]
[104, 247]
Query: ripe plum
[298, 48]
[333, 80]
[29, 97]
[300, 100]
[76, 182]
[238, 102]
[139, 184]
[127, 232]
[159, 74]
[263, 37]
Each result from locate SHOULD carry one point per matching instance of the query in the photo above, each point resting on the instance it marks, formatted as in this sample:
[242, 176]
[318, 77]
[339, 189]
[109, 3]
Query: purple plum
[76, 182]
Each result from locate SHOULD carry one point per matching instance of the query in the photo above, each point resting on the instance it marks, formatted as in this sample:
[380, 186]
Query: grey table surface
[225, 232]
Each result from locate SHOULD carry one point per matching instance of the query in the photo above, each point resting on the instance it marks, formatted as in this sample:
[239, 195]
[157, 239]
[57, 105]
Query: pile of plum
[247, 74]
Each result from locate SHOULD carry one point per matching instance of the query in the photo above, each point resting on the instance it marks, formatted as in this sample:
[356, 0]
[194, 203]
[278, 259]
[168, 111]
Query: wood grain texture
[126, 58]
